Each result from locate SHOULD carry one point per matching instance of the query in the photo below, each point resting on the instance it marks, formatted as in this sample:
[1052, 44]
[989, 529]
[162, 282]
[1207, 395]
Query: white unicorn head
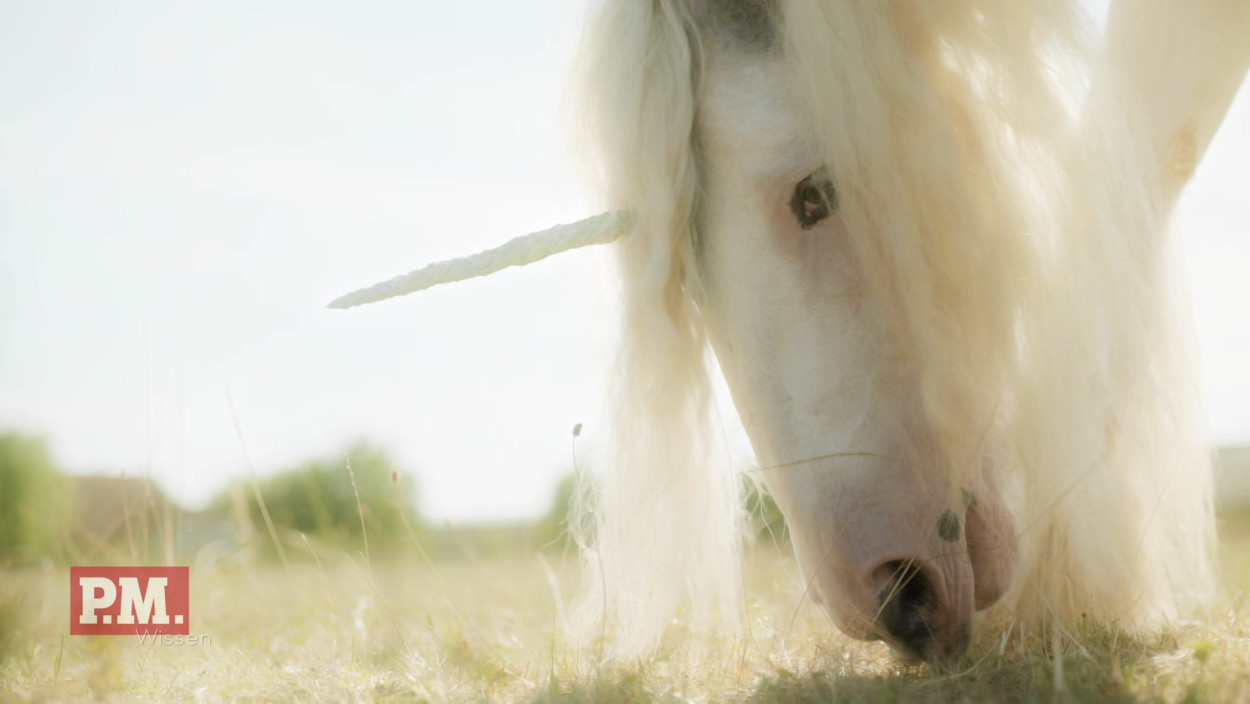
[938, 295]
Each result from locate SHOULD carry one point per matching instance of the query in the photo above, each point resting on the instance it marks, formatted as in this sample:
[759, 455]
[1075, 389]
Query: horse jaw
[827, 399]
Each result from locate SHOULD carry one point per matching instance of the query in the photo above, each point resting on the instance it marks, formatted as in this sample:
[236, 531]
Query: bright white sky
[183, 186]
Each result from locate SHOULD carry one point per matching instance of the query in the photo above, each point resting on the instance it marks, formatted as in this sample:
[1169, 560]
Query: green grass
[483, 622]
[488, 630]
[332, 627]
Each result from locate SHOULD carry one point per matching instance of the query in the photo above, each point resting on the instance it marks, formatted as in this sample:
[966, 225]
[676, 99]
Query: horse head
[935, 291]
[824, 378]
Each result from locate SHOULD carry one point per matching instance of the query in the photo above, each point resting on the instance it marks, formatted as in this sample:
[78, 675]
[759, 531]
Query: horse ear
[520, 251]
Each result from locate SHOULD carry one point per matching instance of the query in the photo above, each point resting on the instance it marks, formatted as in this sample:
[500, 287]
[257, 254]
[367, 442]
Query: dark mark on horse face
[948, 526]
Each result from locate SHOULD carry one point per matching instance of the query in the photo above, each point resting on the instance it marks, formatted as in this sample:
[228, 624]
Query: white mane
[662, 526]
[1029, 273]
[1011, 231]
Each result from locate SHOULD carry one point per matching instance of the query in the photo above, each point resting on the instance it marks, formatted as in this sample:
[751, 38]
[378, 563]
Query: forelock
[747, 25]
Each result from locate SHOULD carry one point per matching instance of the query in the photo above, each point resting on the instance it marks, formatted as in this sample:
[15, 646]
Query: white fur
[994, 309]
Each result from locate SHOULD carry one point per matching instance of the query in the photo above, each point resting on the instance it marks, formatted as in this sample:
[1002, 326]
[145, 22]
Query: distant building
[132, 518]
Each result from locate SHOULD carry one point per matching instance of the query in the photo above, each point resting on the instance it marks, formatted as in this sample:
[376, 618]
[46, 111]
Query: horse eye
[813, 200]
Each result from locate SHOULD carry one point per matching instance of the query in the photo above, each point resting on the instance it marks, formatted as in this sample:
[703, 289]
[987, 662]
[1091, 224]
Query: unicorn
[927, 245]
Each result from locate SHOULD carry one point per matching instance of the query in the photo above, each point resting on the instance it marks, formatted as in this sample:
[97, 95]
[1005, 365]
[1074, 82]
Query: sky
[183, 186]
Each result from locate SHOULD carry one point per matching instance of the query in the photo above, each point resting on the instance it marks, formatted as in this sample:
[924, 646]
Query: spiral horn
[526, 249]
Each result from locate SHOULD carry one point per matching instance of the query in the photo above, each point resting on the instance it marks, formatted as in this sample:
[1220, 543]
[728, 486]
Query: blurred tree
[34, 504]
[764, 519]
[317, 499]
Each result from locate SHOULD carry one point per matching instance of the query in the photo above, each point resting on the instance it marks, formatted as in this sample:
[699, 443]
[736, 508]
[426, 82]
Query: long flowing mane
[1027, 268]
[663, 520]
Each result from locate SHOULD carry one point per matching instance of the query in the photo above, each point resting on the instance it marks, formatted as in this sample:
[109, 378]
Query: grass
[337, 629]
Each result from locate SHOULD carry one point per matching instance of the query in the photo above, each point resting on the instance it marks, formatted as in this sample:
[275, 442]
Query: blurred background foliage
[338, 501]
[764, 520]
[313, 507]
[34, 500]
[316, 512]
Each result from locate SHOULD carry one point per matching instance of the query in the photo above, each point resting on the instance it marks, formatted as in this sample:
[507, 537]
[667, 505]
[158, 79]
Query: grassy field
[338, 629]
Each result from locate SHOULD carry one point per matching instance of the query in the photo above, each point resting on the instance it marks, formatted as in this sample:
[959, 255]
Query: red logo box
[123, 601]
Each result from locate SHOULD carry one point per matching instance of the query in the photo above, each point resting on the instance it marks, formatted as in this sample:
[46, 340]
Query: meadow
[336, 626]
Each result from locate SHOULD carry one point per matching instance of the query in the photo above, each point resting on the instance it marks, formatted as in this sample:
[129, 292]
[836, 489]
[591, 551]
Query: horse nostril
[908, 605]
